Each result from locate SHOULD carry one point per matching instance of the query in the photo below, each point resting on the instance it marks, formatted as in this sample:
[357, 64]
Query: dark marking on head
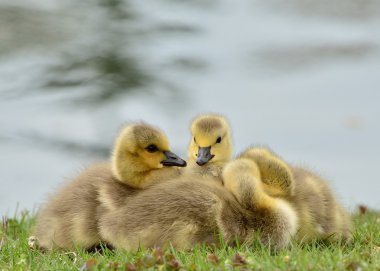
[145, 133]
[209, 124]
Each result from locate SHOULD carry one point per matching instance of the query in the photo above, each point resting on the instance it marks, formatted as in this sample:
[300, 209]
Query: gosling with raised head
[210, 146]
[139, 157]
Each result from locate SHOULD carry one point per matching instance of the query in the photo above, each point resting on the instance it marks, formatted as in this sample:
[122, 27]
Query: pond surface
[302, 78]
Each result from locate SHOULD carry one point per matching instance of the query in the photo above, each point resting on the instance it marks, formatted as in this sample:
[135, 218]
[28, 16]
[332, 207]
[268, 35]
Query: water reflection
[117, 9]
[103, 71]
[303, 56]
[100, 78]
[72, 72]
[24, 27]
[343, 9]
[83, 149]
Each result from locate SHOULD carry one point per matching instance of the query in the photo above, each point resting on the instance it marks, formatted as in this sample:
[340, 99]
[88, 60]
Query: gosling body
[320, 214]
[188, 211]
[261, 195]
[71, 216]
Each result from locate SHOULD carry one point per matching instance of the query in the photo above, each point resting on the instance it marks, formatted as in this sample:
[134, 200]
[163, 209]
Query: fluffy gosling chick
[139, 151]
[140, 158]
[71, 216]
[187, 211]
[274, 218]
[276, 175]
[320, 214]
[210, 146]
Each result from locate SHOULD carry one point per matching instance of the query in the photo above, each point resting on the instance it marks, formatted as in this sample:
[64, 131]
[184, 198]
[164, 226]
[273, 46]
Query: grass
[362, 254]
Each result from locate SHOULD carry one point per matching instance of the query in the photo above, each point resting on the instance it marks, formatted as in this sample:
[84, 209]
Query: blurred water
[302, 77]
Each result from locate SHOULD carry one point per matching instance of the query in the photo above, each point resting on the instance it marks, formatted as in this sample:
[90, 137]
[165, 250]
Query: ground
[362, 254]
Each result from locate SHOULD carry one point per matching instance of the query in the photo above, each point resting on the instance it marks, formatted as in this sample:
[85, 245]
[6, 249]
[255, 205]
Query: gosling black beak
[204, 155]
[173, 160]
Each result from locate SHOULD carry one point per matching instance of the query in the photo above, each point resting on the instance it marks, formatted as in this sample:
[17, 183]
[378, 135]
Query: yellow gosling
[320, 214]
[275, 219]
[210, 146]
[276, 175]
[190, 210]
[71, 216]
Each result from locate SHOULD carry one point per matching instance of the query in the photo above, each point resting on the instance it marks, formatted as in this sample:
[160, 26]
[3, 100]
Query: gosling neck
[129, 170]
[211, 169]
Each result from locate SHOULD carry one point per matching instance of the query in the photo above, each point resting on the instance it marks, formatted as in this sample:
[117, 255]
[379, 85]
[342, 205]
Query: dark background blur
[301, 76]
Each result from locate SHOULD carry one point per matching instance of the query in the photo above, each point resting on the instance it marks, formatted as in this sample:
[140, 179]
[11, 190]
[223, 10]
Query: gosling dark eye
[219, 140]
[152, 148]
[195, 140]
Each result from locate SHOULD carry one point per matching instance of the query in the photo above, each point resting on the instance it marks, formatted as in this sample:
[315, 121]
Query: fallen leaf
[89, 264]
[113, 266]
[238, 260]
[169, 257]
[130, 267]
[174, 264]
[212, 258]
[158, 254]
[354, 266]
[139, 264]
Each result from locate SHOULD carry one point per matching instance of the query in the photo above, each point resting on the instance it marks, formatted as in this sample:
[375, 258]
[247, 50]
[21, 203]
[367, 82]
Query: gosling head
[141, 148]
[211, 140]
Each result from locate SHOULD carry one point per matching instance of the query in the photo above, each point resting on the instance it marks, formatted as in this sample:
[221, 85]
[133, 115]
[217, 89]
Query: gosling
[140, 158]
[210, 146]
[189, 211]
[320, 214]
